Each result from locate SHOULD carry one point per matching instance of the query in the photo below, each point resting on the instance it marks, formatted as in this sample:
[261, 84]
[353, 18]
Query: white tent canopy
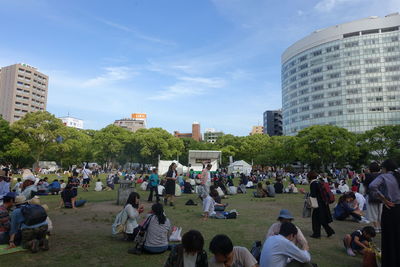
[240, 166]
[199, 157]
[163, 166]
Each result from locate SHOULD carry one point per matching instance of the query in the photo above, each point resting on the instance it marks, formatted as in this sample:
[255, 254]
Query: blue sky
[212, 61]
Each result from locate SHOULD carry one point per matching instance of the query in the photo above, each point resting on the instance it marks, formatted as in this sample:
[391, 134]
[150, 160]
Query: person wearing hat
[8, 202]
[285, 216]
[29, 188]
[33, 237]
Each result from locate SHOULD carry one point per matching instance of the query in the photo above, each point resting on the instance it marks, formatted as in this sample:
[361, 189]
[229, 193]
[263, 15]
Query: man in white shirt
[206, 178]
[278, 249]
[208, 206]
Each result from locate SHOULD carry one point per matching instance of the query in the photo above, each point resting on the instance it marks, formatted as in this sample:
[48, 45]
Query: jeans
[30, 234]
[153, 189]
[80, 203]
[155, 250]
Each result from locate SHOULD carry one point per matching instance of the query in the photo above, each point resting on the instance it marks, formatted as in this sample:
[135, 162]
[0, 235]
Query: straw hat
[35, 200]
[20, 200]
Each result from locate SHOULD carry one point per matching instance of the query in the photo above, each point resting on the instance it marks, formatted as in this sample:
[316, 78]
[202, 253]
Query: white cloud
[329, 5]
[189, 86]
[112, 74]
[136, 33]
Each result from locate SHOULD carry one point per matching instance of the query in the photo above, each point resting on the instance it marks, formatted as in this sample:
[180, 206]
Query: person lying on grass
[359, 240]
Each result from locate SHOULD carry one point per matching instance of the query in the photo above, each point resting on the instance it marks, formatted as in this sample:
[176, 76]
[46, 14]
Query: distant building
[211, 136]
[72, 122]
[136, 122]
[273, 122]
[195, 134]
[23, 89]
[257, 130]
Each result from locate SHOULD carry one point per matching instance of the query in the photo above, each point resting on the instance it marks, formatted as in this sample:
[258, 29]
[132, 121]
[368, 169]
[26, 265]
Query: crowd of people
[372, 198]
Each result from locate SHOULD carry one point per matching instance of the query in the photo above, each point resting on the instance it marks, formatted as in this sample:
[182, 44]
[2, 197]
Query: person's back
[157, 234]
[278, 188]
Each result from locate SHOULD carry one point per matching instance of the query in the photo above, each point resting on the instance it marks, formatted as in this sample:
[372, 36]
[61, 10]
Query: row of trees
[41, 136]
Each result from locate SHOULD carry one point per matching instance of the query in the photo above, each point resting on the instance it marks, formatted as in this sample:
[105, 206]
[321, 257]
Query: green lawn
[83, 236]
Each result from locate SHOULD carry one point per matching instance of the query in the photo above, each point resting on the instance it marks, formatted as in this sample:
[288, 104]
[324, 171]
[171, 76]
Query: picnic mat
[4, 251]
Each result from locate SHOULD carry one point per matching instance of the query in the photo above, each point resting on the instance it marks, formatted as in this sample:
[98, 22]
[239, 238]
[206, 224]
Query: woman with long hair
[343, 209]
[132, 211]
[321, 216]
[171, 177]
[386, 187]
[158, 231]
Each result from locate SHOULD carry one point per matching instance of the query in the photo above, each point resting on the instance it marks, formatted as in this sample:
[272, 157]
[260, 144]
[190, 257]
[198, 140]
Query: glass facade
[352, 82]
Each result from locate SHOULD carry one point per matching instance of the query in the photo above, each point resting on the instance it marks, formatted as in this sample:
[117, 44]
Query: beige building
[136, 122]
[23, 89]
[257, 130]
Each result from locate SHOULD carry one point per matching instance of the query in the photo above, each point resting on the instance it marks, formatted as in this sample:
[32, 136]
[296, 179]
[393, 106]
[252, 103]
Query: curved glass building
[346, 75]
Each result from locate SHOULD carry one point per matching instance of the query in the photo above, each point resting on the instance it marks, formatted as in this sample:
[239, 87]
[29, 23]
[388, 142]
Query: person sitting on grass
[209, 206]
[343, 210]
[132, 210]
[68, 198]
[279, 249]
[8, 203]
[260, 193]
[359, 240]
[158, 231]
[225, 254]
[54, 187]
[270, 189]
[62, 185]
[33, 237]
[285, 216]
[278, 186]
[189, 253]
[99, 186]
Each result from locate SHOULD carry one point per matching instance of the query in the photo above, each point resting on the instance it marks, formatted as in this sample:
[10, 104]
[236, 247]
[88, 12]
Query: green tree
[39, 130]
[382, 142]
[17, 153]
[322, 145]
[6, 135]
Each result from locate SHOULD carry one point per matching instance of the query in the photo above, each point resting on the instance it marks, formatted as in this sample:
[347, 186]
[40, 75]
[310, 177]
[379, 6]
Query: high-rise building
[273, 122]
[23, 89]
[135, 122]
[211, 135]
[72, 122]
[195, 134]
[346, 75]
[257, 130]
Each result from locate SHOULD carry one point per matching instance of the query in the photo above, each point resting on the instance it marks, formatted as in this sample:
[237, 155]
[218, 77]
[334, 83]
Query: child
[63, 185]
[359, 240]
[99, 186]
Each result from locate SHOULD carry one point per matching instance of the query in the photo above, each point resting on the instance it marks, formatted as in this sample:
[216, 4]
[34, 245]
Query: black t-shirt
[278, 188]
[360, 236]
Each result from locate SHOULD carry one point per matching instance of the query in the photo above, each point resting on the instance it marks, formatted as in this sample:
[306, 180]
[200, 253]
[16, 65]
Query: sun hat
[285, 214]
[20, 200]
[30, 178]
[34, 201]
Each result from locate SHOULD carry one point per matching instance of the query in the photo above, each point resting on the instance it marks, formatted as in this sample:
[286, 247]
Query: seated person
[99, 186]
[359, 203]
[29, 189]
[285, 216]
[343, 209]
[278, 186]
[343, 187]
[270, 189]
[33, 237]
[187, 187]
[189, 253]
[209, 205]
[278, 249]
[17, 186]
[261, 193]
[62, 185]
[5, 223]
[54, 187]
[218, 206]
[225, 254]
[359, 240]
[68, 198]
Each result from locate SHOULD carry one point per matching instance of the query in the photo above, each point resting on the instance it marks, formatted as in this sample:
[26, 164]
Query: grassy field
[83, 236]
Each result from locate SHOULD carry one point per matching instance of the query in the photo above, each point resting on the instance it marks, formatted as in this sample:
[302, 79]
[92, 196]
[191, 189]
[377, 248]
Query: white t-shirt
[189, 259]
[99, 186]
[86, 173]
[360, 199]
[241, 258]
[209, 205]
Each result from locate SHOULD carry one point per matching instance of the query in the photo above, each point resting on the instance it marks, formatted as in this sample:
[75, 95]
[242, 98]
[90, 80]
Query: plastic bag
[176, 235]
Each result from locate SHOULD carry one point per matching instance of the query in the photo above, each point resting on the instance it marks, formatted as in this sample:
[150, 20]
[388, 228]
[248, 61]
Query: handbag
[176, 235]
[140, 238]
[314, 202]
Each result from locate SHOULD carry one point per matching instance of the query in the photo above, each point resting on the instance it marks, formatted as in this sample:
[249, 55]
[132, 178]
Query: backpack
[256, 250]
[33, 214]
[190, 202]
[326, 194]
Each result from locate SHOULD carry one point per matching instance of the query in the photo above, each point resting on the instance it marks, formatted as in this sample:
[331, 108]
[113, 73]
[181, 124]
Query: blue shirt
[154, 180]
[55, 185]
[4, 188]
[342, 208]
[17, 222]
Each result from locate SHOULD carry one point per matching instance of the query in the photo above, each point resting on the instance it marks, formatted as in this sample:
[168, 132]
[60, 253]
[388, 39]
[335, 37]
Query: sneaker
[34, 246]
[350, 252]
[44, 244]
[364, 220]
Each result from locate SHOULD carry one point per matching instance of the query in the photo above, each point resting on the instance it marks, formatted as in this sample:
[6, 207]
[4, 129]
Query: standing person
[154, 181]
[206, 178]
[390, 196]
[172, 174]
[374, 205]
[86, 174]
[321, 216]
